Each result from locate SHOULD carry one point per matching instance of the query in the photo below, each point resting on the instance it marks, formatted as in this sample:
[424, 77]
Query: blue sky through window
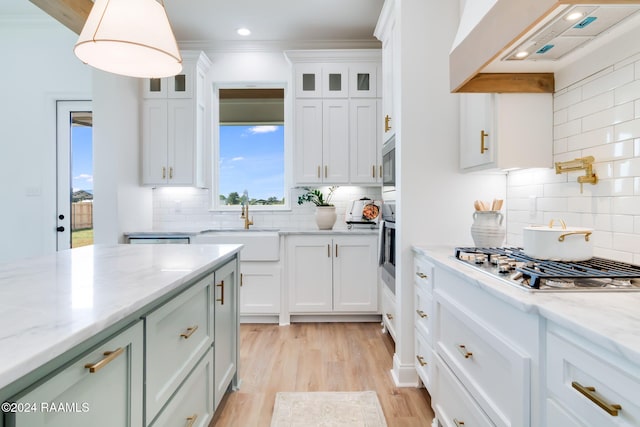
[252, 159]
[82, 158]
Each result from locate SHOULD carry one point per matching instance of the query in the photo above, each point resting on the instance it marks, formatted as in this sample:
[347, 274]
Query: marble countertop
[609, 319]
[282, 231]
[50, 304]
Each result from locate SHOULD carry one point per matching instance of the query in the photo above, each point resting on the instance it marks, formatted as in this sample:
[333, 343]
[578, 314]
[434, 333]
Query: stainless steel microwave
[389, 169]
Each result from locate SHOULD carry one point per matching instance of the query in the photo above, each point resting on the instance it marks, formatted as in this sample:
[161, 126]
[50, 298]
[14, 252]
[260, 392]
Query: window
[251, 149]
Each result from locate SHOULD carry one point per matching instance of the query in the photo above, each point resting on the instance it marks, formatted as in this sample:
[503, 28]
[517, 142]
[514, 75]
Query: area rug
[328, 409]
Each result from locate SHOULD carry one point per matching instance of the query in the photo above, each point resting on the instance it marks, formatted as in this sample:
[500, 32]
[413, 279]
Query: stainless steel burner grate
[533, 272]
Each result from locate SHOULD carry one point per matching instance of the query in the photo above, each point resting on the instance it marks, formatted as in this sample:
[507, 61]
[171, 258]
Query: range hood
[515, 45]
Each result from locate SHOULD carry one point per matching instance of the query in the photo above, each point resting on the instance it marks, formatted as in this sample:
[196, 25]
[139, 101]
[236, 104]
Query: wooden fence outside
[81, 215]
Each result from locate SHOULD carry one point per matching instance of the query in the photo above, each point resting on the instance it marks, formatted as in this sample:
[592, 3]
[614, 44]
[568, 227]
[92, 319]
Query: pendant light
[131, 38]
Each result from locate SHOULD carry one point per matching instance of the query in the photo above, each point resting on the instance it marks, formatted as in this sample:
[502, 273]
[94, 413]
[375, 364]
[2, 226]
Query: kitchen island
[59, 309]
[500, 355]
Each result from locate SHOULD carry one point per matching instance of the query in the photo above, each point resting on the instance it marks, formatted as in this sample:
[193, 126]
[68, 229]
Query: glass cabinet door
[363, 80]
[335, 81]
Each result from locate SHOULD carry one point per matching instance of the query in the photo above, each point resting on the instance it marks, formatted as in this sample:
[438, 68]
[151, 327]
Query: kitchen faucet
[245, 216]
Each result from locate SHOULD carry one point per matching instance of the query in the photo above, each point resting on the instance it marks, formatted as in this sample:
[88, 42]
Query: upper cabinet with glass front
[174, 125]
[336, 80]
[178, 86]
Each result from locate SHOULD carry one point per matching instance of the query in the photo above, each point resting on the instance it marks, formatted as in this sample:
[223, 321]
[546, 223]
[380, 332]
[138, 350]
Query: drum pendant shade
[131, 38]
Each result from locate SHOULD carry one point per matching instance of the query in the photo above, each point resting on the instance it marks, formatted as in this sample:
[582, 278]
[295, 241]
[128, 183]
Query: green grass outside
[82, 237]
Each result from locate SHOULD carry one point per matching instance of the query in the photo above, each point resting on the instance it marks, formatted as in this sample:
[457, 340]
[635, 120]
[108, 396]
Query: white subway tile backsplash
[600, 117]
[590, 106]
[612, 116]
[570, 128]
[566, 98]
[608, 81]
[590, 138]
[627, 130]
[627, 93]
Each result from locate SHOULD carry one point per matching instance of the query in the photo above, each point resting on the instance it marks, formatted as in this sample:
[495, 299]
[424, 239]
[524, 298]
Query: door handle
[60, 229]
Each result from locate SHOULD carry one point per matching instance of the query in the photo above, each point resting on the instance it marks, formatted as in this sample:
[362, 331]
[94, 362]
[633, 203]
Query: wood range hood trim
[485, 43]
[70, 13]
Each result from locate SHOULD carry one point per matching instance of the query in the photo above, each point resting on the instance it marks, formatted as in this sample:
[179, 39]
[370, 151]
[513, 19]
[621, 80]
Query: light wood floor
[317, 357]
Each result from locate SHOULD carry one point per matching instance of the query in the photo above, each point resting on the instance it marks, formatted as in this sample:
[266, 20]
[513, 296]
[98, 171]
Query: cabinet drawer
[558, 416]
[424, 359]
[177, 335]
[110, 394]
[423, 316]
[453, 405]
[194, 399]
[389, 311]
[423, 274]
[491, 368]
[573, 372]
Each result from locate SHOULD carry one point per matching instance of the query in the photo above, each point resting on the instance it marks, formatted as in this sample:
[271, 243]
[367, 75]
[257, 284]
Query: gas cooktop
[514, 267]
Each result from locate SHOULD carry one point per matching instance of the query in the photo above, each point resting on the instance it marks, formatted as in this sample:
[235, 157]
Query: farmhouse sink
[260, 244]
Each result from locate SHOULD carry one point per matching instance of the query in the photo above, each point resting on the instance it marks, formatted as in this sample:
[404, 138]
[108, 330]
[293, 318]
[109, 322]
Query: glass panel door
[74, 174]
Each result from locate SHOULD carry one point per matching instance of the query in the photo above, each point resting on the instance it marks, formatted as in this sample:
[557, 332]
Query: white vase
[487, 230]
[325, 217]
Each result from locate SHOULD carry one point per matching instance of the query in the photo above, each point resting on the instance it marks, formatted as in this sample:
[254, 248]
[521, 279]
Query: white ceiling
[285, 22]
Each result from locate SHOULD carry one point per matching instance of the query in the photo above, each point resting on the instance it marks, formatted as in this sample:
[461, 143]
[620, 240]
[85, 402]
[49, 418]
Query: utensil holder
[487, 230]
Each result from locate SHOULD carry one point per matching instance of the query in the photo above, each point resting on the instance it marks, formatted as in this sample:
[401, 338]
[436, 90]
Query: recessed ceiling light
[573, 16]
[522, 54]
[243, 32]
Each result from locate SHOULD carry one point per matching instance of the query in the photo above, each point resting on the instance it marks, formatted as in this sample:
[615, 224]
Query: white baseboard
[404, 375]
[335, 318]
[256, 318]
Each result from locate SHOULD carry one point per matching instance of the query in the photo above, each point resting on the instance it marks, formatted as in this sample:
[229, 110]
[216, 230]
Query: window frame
[214, 204]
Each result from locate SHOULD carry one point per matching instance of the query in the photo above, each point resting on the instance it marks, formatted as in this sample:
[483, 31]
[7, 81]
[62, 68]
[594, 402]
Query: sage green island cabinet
[103, 387]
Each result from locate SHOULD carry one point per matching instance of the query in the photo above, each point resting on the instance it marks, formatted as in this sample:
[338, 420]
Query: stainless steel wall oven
[388, 246]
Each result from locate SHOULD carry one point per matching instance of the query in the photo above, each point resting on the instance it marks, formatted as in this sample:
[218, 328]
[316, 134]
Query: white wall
[595, 116]
[435, 202]
[38, 68]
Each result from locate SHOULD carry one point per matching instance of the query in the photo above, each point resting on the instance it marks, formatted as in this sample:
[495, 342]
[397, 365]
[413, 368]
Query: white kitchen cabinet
[588, 385]
[363, 142]
[259, 288]
[423, 319]
[388, 308]
[506, 131]
[385, 32]
[174, 127]
[322, 141]
[322, 80]
[101, 388]
[226, 327]
[335, 117]
[179, 86]
[332, 274]
[193, 403]
[491, 349]
[177, 335]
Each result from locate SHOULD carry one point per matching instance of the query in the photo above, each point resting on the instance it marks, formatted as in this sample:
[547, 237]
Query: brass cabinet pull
[191, 420]
[318, 171]
[164, 172]
[109, 357]
[590, 393]
[328, 251]
[421, 275]
[326, 171]
[483, 148]
[241, 280]
[380, 171]
[190, 330]
[389, 316]
[421, 361]
[463, 351]
[422, 314]
[171, 173]
[336, 250]
[373, 171]
[387, 119]
[221, 286]
[458, 423]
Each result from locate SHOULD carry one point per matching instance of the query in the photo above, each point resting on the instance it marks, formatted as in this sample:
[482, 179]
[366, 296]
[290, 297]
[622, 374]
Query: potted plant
[325, 210]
